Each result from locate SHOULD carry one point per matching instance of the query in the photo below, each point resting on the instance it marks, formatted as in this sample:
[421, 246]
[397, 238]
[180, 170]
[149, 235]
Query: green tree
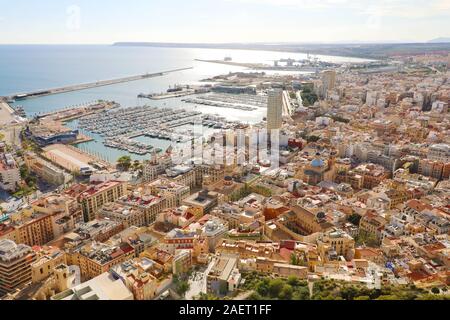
[137, 165]
[286, 292]
[294, 259]
[255, 296]
[262, 287]
[367, 239]
[354, 219]
[124, 163]
[349, 292]
[275, 287]
[301, 293]
[206, 297]
[311, 139]
[388, 297]
[182, 287]
[435, 290]
[293, 281]
[309, 97]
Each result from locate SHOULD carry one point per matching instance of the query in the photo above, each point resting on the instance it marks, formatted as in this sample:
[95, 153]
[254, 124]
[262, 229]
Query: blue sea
[25, 68]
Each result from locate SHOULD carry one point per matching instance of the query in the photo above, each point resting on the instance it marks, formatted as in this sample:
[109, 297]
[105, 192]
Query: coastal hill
[440, 40]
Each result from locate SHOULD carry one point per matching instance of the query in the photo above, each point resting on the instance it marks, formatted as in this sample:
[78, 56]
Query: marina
[120, 128]
[219, 104]
[244, 102]
[177, 91]
[103, 63]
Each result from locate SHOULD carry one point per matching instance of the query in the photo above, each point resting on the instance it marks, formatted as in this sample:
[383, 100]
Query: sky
[220, 21]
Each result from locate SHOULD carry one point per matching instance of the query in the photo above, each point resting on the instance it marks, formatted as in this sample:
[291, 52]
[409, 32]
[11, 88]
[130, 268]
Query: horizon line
[360, 42]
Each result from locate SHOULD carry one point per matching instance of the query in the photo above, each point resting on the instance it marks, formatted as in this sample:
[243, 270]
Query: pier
[78, 87]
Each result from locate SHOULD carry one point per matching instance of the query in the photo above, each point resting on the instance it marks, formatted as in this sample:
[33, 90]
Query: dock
[84, 86]
[261, 66]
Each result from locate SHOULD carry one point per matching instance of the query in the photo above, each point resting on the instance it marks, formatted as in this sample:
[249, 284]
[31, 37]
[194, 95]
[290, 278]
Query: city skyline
[324, 21]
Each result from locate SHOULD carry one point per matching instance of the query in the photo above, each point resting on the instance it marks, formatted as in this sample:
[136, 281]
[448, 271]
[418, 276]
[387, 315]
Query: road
[6, 113]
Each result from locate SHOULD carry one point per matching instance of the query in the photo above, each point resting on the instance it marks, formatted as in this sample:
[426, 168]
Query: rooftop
[10, 251]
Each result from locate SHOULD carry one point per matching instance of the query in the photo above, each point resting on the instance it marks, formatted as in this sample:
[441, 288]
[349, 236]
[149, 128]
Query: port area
[72, 159]
[306, 65]
[52, 127]
[84, 86]
[177, 91]
[72, 113]
[245, 102]
[120, 128]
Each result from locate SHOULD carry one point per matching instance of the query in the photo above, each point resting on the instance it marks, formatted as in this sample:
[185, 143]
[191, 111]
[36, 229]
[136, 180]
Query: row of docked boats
[219, 104]
[130, 145]
[128, 120]
[121, 126]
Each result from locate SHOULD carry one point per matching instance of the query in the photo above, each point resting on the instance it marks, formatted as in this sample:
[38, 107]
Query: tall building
[328, 81]
[275, 110]
[15, 265]
[32, 228]
[9, 173]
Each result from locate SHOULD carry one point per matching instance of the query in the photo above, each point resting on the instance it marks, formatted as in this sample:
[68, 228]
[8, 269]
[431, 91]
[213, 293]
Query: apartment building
[336, 242]
[204, 200]
[372, 223]
[144, 201]
[46, 170]
[65, 212]
[9, 173]
[15, 265]
[98, 229]
[96, 258]
[174, 193]
[138, 275]
[47, 260]
[126, 215]
[439, 152]
[100, 194]
[32, 228]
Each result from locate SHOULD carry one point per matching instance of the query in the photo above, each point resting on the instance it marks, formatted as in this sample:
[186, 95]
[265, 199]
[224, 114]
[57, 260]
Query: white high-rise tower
[275, 109]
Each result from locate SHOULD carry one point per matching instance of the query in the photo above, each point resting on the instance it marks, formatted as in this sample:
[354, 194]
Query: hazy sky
[107, 21]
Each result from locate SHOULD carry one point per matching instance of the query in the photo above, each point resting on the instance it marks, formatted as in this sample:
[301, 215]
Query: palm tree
[124, 163]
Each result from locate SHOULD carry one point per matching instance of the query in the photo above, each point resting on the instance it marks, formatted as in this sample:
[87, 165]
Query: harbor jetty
[176, 92]
[84, 86]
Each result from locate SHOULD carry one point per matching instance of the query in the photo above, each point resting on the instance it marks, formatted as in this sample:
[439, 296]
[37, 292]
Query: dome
[317, 163]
